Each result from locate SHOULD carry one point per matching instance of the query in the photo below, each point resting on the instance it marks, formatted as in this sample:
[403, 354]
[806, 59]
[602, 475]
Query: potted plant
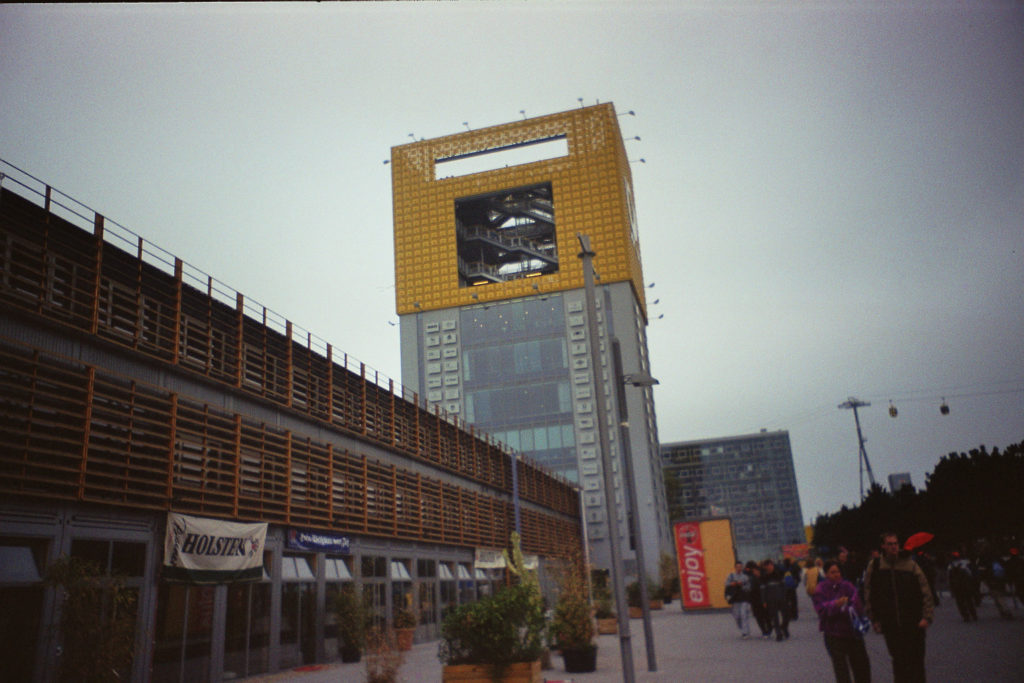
[654, 595]
[634, 600]
[669, 576]
[499, 635]
[352, 612]
[607, 623]
[572, 627]
[404, 621]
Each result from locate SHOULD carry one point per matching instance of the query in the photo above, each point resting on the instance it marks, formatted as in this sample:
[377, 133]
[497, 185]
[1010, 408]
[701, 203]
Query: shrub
[353, 616]
[499, 629]
[572, 627]
[97, 622]
[404, 618]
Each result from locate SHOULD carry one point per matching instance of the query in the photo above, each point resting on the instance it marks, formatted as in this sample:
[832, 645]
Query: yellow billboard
[706, 554]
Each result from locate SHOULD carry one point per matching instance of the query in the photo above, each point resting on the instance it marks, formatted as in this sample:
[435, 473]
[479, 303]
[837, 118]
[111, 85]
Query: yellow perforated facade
[591, 194]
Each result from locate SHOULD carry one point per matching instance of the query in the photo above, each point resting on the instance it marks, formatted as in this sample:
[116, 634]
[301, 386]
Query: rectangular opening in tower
[493, 158]
[506, 235]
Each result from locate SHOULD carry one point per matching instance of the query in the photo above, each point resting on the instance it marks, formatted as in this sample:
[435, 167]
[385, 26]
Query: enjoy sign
[692, 574]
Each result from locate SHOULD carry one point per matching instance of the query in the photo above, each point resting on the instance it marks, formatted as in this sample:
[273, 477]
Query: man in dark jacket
[773, 597]
[899, 604]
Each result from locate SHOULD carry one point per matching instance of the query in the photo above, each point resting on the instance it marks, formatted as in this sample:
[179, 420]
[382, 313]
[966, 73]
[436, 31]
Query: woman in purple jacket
[834, 599]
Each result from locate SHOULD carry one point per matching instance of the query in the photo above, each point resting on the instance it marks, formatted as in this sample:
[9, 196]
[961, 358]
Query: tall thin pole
[612, 522]
[863, 462]
[634, 509]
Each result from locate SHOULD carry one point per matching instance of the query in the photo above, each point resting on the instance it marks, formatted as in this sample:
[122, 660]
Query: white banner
[201, 550]
[486, 558]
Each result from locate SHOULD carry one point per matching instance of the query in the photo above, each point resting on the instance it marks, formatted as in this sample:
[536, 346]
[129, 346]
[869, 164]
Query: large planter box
[608, 626]
[636, 612]
[517, 672]
[404, 638]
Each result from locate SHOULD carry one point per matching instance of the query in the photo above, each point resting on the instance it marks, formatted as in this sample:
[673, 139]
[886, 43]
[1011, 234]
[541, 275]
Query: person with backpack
[791, 580]
[898, 601]
[813, 574]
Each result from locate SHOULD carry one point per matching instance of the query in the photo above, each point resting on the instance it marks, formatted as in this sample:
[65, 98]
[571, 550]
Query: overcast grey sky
[831, 202]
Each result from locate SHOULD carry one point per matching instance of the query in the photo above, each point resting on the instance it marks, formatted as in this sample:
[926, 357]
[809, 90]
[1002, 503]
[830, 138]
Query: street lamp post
[625, 638]
[629, 483]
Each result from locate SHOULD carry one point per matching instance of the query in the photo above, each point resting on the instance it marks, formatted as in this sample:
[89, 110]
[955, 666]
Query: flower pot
[607, 626]
[403, 638]
[580, 661]
[516, 672]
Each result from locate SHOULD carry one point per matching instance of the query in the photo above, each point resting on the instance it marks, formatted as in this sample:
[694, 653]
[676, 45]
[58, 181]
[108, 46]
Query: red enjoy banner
[692, 577]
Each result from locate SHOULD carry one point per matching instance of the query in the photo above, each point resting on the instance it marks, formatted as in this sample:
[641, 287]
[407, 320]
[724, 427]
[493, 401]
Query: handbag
[860, 623]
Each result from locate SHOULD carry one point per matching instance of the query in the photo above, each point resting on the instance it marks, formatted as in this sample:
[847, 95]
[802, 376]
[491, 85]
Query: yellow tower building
[489, 292]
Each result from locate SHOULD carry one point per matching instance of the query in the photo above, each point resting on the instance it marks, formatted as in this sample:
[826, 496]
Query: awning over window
[336, 570]
[481, 575]
[295, 569]
[444, 573]
[464, 574]
[399, 571]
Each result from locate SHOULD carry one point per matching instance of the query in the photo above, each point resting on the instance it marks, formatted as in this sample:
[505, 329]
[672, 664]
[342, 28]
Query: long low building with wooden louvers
[234, 471]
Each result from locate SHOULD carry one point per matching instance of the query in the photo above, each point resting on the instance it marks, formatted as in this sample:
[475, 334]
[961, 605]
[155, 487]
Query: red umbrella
[917, 540]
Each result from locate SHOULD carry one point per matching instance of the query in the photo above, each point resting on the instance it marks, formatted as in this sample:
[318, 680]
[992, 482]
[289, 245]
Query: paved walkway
[706, 648]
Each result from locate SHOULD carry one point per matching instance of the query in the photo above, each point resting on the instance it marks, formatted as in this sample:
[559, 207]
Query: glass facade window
[247, 632]
[184, 633]
[513, 320]
[298, 610]
[21, 593]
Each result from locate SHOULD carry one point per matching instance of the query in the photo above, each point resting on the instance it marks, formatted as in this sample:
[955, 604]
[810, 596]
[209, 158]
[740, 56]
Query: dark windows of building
[247, 630]
[337, 572]
[374, 574]
[184, 633]
[426, 590]
[446, 572]
[298, 611]
[21, 597]
[401, 586]
[506, 235]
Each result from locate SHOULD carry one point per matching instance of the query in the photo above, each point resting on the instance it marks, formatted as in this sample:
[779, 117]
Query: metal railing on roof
[83, 216]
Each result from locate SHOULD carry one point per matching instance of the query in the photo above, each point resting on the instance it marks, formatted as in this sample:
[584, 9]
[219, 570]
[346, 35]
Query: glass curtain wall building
[489, 293]
[748, 478]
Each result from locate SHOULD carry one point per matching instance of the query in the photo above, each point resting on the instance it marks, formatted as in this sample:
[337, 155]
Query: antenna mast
[863, 462]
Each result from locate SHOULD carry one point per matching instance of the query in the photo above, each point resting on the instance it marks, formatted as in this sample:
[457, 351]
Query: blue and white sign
[318, 541]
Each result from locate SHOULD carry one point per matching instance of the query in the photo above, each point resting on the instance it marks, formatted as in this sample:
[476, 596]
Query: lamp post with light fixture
[616, 569]
[629, 484]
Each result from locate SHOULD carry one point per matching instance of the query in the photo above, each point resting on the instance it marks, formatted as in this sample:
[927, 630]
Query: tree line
[969, 498]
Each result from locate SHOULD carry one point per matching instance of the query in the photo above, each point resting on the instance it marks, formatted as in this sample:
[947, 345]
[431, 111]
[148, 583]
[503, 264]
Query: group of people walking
[894, 599]
[1002, 576]
[766, 594]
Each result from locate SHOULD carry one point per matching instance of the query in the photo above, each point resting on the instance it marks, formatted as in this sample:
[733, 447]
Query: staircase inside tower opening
[506, 235]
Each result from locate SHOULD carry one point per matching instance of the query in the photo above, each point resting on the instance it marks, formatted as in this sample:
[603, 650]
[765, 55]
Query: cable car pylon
[864, 463]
